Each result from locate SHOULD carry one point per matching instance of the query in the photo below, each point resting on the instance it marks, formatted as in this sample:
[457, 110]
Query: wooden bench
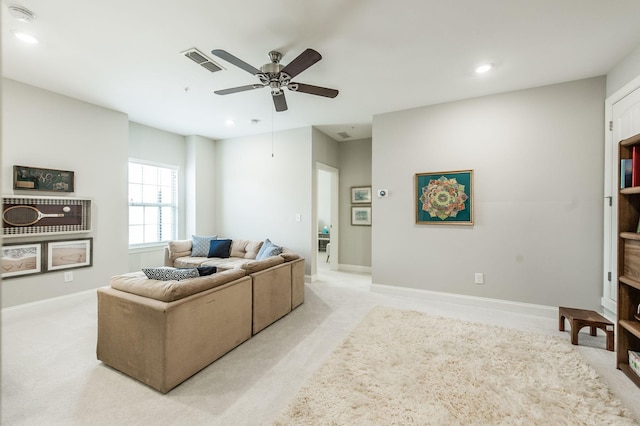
[580, 318]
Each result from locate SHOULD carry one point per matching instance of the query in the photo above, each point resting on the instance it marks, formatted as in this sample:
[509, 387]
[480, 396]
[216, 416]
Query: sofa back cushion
[169, 291]
[246, 249]
[179, 248]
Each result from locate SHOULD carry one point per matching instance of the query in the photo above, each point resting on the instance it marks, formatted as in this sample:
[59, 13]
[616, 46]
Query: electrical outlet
[479, 278]
[298, 217]
[68, 276]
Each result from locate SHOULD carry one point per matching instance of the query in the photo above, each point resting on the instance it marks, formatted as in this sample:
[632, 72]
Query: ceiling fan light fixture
[21, 14]
[277, 76]
[27, 38]
[481, 69]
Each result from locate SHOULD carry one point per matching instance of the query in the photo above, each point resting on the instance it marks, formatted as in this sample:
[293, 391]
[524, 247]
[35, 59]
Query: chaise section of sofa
[163, 332]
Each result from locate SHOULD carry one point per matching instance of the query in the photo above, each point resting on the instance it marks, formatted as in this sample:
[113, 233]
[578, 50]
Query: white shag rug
[404, 367]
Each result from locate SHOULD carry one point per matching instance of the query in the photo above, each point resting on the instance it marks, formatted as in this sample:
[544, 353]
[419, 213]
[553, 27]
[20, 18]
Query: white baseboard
[354, 268]
[459, 299]
[65, 298]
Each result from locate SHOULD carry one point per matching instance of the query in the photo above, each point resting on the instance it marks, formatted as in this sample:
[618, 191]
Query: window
[153, 203]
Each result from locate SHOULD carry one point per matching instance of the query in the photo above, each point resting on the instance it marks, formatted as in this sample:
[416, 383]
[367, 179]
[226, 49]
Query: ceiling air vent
[344, 135]
[201, 59]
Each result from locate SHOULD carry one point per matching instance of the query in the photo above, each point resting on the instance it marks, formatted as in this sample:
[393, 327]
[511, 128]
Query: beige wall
[261, 187]
[45, 129]
[158, 146]
[624, 72]
[537, 157]
[355, 170]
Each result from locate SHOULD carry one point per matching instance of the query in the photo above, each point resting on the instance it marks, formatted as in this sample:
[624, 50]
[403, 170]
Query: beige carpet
[405, 367]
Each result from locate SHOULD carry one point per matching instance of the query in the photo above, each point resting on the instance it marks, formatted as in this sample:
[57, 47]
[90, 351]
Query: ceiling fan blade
[302, 62]
[223, 54]
[313, 90]
[238, 89]
[280, 102]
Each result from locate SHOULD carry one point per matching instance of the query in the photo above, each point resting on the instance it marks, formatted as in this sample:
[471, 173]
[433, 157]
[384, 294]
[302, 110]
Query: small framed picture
[361, 215]
[361, 195]
[35, 179]
[69, 254]
[21, 259]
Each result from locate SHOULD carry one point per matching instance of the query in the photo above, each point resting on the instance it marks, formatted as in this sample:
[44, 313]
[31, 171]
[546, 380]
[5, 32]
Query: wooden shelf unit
[628, 333]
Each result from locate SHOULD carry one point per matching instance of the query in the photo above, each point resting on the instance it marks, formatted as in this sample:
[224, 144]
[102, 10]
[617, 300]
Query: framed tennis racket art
[45, 215]
[23, 215]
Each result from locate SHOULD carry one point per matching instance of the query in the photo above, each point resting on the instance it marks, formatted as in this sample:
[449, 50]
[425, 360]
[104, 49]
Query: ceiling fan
[277, 76]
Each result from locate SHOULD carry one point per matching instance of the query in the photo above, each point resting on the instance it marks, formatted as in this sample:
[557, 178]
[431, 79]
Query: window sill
[144, 248]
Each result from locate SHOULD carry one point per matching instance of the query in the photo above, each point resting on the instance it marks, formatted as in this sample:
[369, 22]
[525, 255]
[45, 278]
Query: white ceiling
[381, 55]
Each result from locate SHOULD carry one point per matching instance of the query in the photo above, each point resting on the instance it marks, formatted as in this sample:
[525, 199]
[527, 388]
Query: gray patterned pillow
[200, 245]
[166, 273]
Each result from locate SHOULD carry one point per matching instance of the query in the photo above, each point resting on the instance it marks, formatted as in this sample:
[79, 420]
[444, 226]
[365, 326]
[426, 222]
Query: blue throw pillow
[219, 248]
[206, 270]
[268, 249]
[165, 273]
[200, 245]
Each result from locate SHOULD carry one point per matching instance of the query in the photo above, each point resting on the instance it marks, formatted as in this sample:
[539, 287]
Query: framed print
[444, 198]
[361, 215]
[361, 195]
[21, 259]
[42, 215]
[31, 178]
[68, 254]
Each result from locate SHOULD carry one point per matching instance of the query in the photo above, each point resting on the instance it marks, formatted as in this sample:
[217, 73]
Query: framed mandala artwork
[444, 198]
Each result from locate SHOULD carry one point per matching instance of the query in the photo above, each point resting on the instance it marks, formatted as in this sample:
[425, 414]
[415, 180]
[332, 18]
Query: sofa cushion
[268, 249]
[189, 262]
[179, 248]
[169, 291]
[219, 248]
[259, 265]
[289, 256]
[246, 249]
[225, 263]
[201, 245]
[166, 273]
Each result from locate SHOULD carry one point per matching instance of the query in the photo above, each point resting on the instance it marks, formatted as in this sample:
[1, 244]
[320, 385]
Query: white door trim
[611, 193]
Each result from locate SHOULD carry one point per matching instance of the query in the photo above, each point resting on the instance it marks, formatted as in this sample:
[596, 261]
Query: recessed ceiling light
[230, 122]
[481, 69]
[27, 38]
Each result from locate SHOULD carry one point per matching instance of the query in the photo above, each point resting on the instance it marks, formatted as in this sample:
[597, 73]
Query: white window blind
[153, 203]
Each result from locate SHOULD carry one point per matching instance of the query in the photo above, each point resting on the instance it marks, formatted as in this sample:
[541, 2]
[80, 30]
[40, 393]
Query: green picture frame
[444, 198]
[27, 178]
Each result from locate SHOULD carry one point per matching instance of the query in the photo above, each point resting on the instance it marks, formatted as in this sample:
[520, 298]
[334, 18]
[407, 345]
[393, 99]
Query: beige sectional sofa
[277, 281]
[163, 332]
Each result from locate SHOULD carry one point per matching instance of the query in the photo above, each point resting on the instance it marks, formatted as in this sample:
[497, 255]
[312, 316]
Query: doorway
[327, 218]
